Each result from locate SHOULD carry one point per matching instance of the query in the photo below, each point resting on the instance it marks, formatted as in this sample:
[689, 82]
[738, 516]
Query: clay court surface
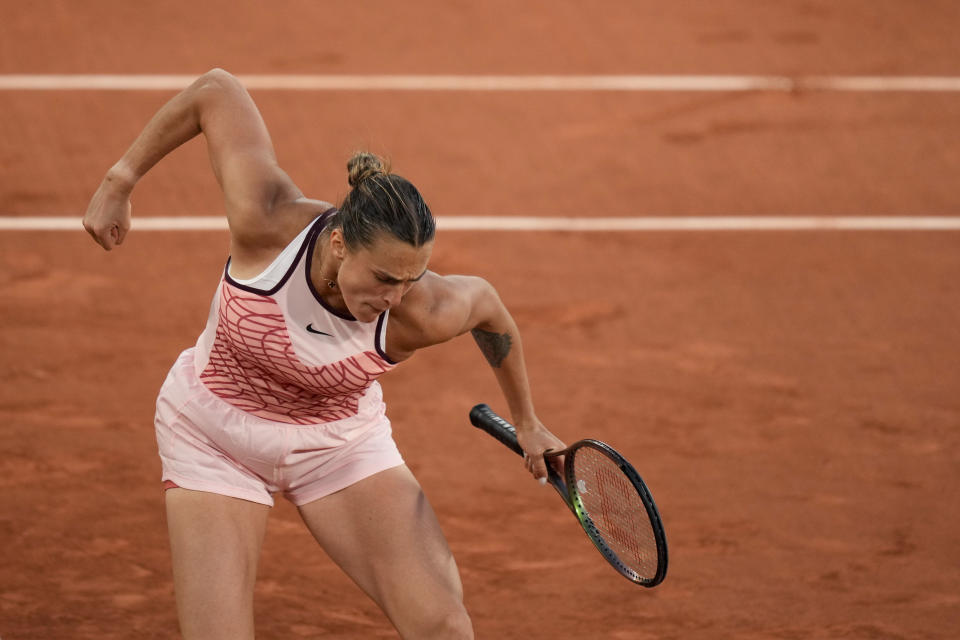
[791, 397]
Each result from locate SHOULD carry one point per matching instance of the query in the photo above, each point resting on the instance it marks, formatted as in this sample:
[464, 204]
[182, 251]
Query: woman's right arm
[241, 154]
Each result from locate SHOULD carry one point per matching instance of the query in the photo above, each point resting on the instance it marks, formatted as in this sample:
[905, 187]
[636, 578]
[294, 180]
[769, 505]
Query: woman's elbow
[216, 81]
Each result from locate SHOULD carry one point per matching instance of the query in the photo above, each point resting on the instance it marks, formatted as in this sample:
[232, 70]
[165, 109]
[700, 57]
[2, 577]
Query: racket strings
[616, 511]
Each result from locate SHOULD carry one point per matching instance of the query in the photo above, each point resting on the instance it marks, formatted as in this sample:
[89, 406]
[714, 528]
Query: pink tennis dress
[279, 395]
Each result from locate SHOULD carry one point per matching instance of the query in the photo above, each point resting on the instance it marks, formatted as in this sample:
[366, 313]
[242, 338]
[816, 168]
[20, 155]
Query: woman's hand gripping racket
[607, 496]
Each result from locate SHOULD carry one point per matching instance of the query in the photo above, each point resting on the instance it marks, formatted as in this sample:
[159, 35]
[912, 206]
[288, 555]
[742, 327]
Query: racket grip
[483, 417]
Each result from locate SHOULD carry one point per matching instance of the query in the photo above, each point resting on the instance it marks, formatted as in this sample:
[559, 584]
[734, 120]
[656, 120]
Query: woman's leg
[384, 535]
[215, 541]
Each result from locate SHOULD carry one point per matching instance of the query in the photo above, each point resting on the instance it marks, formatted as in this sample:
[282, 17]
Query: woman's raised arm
[241, 154]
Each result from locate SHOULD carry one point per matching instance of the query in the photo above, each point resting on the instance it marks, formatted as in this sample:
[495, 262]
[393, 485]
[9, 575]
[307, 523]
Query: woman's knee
[449, 624]
[456, 625]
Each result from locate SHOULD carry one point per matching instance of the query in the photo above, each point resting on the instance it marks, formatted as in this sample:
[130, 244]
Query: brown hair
[382, 201]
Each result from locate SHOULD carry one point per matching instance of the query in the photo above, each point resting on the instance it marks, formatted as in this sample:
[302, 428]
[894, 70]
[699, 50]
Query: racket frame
[483, 417]
[596, 537]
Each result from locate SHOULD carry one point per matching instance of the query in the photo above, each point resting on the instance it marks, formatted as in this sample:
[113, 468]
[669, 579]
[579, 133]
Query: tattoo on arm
[494, 346]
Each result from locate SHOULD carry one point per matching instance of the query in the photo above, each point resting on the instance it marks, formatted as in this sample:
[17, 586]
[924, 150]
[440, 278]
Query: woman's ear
[337, 245]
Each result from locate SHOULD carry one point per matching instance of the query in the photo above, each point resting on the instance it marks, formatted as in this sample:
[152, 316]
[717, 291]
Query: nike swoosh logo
[322, 333]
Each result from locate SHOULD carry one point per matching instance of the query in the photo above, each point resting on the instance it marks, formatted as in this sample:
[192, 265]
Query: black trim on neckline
[311, 244]
[378, 334]
[319, 222]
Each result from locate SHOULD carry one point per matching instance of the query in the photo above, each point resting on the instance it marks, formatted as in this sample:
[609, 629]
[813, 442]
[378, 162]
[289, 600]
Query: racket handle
[483, 417]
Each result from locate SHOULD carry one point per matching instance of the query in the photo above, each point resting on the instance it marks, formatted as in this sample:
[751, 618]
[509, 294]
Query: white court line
[58, 82]
[528, 223]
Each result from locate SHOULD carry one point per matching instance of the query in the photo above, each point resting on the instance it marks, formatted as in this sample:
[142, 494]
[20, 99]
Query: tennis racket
[607, 496]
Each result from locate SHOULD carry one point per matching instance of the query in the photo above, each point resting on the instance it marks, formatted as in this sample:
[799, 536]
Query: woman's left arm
[498, 337]
[458, 304]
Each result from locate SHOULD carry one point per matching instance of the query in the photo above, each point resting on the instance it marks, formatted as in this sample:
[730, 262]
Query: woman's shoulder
[253, 252]
[293, 217]
[436, 310]
[430, 297]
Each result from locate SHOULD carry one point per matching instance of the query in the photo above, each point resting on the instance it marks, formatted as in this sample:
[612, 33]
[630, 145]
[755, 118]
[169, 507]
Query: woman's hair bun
[365, 165]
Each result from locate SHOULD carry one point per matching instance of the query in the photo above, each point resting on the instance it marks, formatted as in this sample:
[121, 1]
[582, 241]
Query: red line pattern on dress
[253, 367]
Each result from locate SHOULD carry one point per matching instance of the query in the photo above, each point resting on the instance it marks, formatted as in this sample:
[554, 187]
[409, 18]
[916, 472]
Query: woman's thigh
[384, 534]
[215, 542]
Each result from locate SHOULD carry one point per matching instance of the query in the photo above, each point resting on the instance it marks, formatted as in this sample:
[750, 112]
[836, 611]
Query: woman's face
[374, 279]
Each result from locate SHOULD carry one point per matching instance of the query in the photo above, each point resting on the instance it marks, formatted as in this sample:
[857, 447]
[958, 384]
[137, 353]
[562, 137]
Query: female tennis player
[279, 394]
